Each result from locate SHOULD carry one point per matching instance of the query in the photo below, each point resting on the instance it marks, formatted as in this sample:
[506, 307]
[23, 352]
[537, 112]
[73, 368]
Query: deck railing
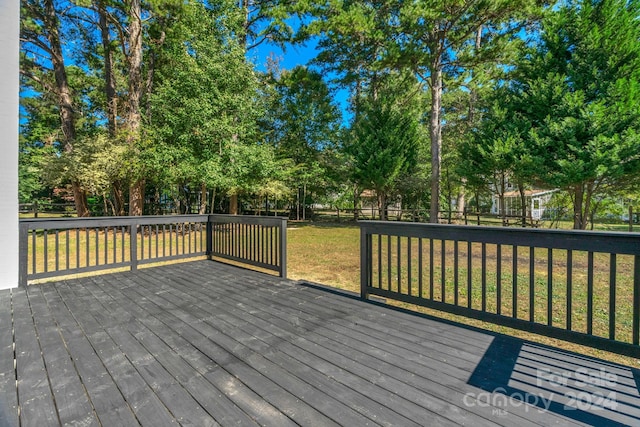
[57, 247]
[573, 285]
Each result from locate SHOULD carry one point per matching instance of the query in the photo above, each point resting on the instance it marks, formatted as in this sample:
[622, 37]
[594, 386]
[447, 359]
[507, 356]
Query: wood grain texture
[207, 344]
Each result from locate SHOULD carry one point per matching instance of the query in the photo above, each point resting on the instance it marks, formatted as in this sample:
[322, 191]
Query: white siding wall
[9, 46]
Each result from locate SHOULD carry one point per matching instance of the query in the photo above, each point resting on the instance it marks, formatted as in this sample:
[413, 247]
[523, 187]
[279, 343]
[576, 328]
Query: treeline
[135, 103]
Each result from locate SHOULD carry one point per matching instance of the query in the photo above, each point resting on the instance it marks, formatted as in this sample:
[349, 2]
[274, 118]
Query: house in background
[537, 201]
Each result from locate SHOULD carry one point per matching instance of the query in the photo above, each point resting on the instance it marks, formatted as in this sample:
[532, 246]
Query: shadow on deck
[203, 343]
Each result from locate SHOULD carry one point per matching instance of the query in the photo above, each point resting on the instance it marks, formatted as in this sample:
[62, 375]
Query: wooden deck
[203, 343]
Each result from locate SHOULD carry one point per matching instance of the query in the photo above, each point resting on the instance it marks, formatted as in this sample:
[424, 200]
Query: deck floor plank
[384, 397]
[265, 378]
[438, 394]
[328, 385]
[206, 344]
[207, 370]
[8, 393]
[37, 405]
[444, 388]
[110, 406]
[72, 402]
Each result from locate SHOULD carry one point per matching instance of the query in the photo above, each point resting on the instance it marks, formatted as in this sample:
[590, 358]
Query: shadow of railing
[516, 373]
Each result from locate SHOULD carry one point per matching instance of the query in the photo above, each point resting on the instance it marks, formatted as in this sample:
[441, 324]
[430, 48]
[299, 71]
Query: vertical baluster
[77, 248]
[636, 300]
[142, 242]
[123, 237]
[399, 266]
[569, 287]
[484, 276]
[389, 262]
[499, 279]
[33, 251]
[532, 290]
[514, 279]
[589, 293]
[420, 250]
[164, 238]
[57, 251]
[157, 239]
[46, 252]
[87, 256]
[550, 286]
[469, 275]
[170, 240]
[97, 245]
[262, 244]
[431, 296]
[115, 244]
[182, 227]
[106, 245]
[612, 296]
[443, 270]
[149, 241]
[409, 266]
[189, 232]
[455, 272]
[379, 261]
[67, 266]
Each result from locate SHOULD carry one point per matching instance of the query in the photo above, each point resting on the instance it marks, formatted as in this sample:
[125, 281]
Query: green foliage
[204, 109]
[579, 92]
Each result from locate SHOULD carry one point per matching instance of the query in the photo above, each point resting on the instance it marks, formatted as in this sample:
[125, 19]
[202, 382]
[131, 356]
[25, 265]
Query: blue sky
[294, 56]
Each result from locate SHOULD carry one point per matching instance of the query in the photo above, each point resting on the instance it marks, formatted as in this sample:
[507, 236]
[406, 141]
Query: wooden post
[23, 257]
[283, 248]
[365, 261]
[209, 238]
[133, 247]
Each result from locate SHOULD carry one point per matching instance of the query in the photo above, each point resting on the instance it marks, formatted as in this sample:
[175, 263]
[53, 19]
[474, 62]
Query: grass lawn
[329, 254]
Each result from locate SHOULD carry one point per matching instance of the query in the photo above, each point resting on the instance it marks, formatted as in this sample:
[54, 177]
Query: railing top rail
[64, 223]
[594, 241]
[253, 219]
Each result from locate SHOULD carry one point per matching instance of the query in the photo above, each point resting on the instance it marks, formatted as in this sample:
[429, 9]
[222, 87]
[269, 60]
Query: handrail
[580, 286]
[54, 247]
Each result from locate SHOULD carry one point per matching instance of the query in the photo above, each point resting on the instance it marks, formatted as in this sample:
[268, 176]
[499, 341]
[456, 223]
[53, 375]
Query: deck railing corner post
[283, 248]
[134, 245]
[209, 251]
[23, 256]
[365, 261]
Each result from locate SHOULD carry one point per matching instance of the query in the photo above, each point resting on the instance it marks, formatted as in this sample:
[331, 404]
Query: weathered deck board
[342, 346]
[8, 394]
[206, 344]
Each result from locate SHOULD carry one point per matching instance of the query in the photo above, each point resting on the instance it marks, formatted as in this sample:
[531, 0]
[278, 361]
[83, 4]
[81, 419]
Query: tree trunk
[118, 198]
[109, 76]
[136, 197]
[382, 205]
[435, 133]
[579, 222]
[233, 204]
[356, 200]
[65, 101]
[203, 199]
[134, 59]
[523, 204]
